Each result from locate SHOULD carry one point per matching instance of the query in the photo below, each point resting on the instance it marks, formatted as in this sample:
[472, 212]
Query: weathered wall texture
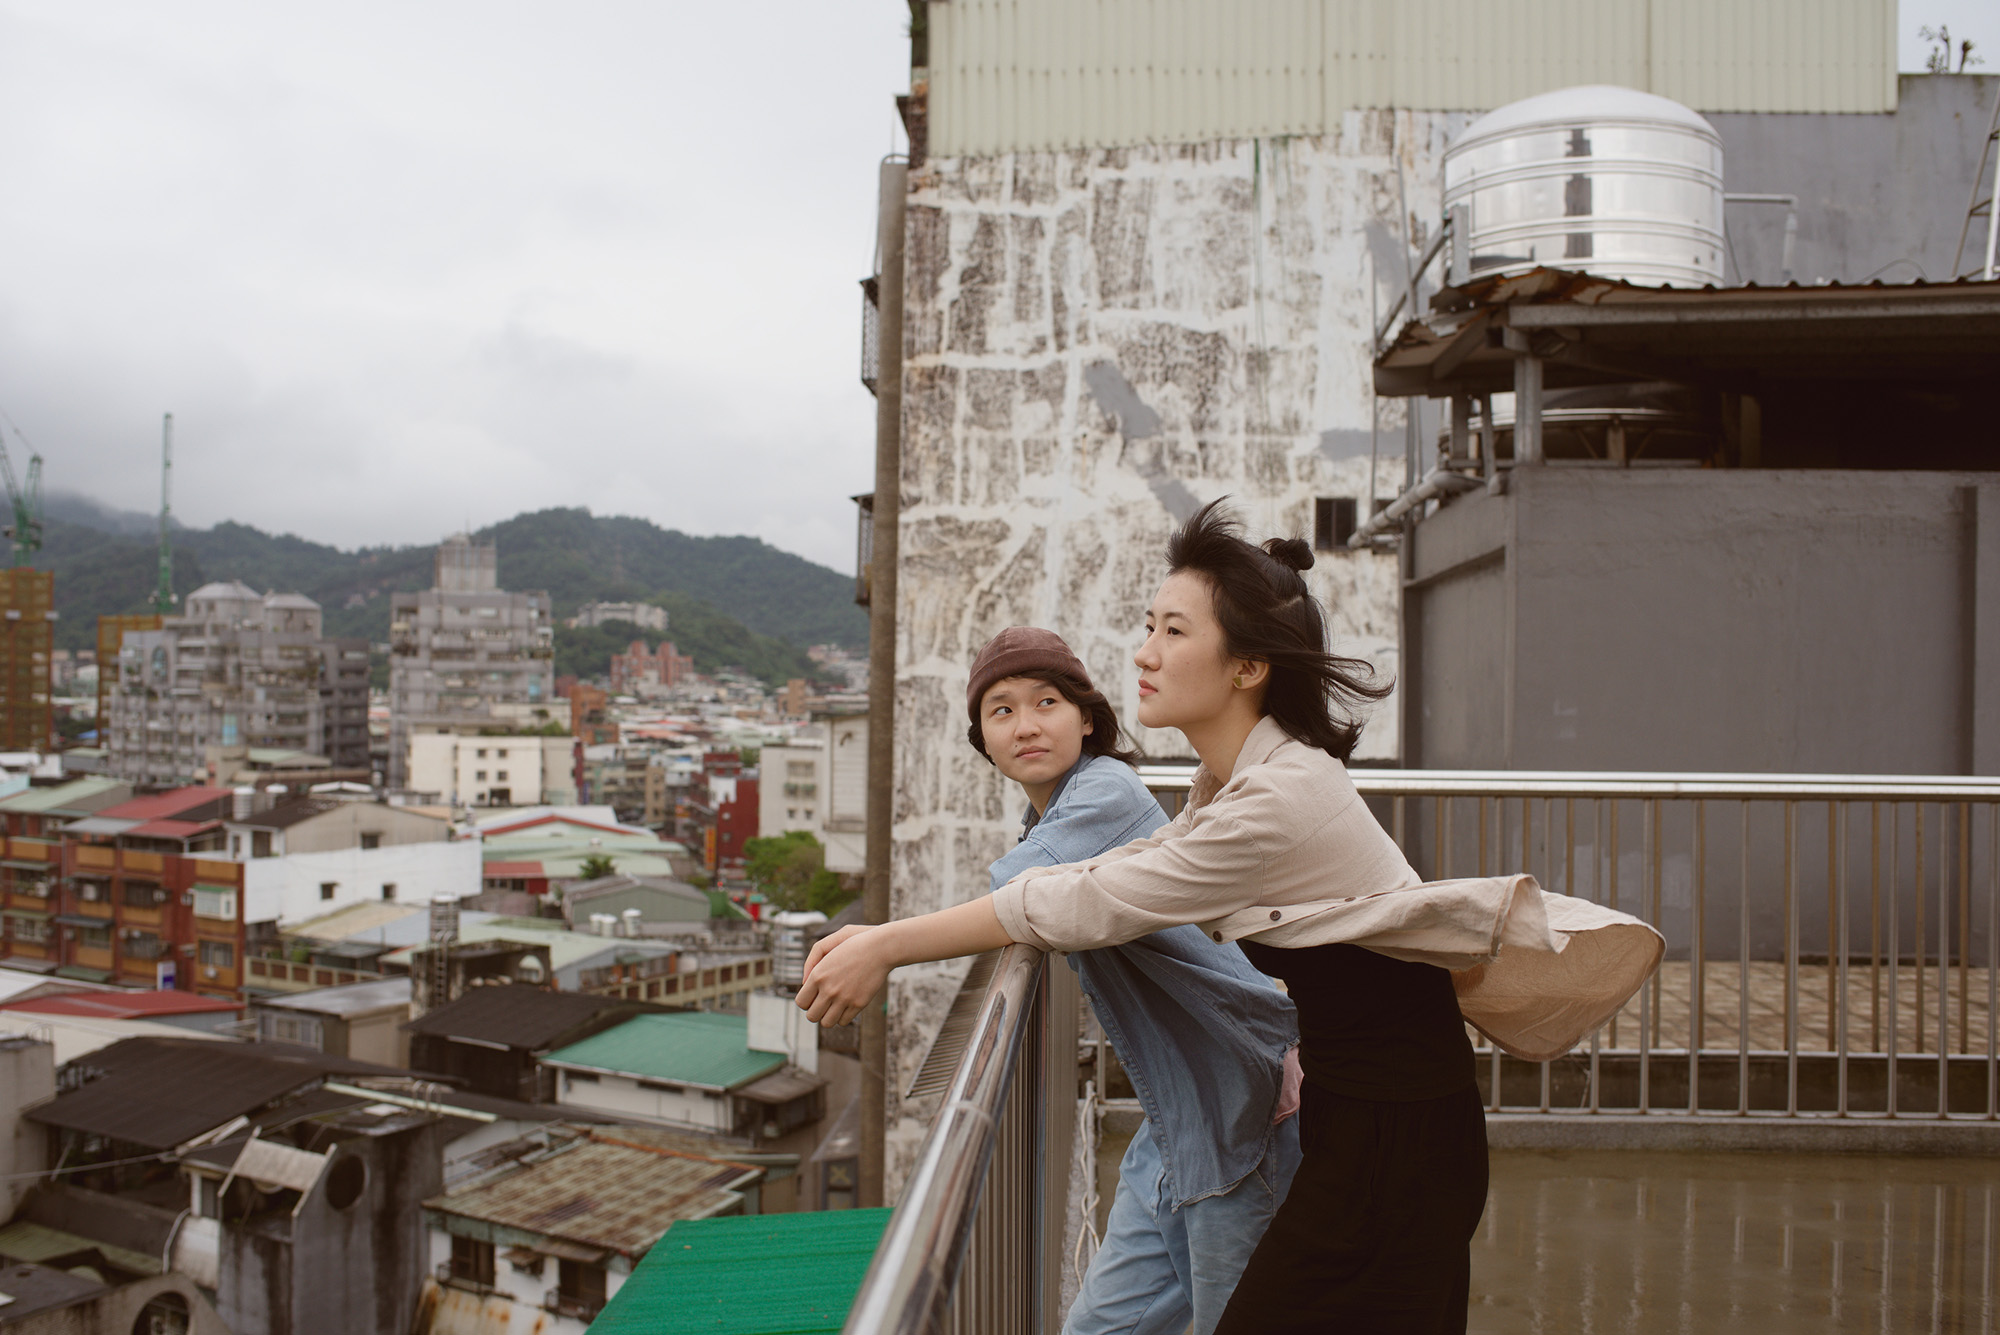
[1096, 343]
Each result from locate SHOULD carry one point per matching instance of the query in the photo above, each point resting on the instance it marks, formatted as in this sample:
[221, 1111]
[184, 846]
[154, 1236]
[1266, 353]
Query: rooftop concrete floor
[1590, 1243]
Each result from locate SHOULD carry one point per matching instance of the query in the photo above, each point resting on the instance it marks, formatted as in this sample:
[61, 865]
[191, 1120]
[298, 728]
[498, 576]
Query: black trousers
[1376, 1232]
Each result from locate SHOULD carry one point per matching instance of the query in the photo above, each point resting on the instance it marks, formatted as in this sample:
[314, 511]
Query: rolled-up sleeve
[1146, 886]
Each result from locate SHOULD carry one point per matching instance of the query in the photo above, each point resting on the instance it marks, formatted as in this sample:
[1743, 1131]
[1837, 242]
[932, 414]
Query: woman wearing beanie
[1276, 848]
[1202, 1034]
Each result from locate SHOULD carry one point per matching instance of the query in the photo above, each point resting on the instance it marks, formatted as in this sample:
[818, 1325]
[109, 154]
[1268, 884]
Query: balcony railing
[1830, 971]
[976, 1244]
[1830, 939]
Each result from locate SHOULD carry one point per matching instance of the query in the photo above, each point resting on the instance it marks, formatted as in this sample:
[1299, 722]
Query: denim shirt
[1201, 1033]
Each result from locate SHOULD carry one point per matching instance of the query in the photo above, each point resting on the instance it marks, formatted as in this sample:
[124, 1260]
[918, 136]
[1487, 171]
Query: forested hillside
[106, 561]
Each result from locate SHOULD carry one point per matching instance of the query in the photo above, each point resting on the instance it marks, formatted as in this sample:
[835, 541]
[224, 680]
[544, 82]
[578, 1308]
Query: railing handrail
[1630, 783]
[909, 1284]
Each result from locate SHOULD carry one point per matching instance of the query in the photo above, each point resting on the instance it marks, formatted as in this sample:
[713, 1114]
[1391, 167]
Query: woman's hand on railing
[842, 975]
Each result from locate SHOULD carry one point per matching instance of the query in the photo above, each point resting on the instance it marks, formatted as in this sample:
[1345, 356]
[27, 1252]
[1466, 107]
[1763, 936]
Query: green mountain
[106, 562]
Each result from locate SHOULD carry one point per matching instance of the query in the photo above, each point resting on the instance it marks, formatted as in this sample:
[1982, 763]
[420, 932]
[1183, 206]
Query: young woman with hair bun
[1277, 851]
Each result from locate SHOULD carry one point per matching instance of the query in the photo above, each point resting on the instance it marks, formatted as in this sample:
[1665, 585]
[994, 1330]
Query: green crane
[163, 596]
[26, 530]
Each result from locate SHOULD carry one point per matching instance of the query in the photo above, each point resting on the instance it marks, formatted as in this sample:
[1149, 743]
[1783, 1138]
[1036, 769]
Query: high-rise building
[466, 656]
[240, 669]
[27, 598]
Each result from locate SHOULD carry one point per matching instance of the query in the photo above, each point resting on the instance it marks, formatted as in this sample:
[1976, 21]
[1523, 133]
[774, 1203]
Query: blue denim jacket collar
[1201, 1033]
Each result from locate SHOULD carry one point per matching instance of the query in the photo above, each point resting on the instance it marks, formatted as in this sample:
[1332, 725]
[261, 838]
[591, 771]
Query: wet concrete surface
[1589, 1243]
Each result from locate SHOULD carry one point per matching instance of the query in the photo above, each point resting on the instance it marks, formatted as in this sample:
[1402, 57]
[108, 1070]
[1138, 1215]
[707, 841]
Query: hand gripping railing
[975, 1244]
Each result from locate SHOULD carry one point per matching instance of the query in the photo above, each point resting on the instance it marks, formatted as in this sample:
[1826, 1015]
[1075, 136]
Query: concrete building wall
[622, 1096]
[1097, 341]
[27, 1078]
[344, 826]
[1764, 621]
[291, 889]
[467, 769]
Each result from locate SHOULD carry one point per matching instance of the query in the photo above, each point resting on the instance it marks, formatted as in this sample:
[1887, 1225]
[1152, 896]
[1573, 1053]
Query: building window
[580, 1286]
[326, 889]
[215, 903]
[479, 776]
[501, 775]
[98, 938]
[472, 1261]
[1333, 522]
[144, 946]
[388, 889]
[217, 955]
[371, 841]
[143, 895]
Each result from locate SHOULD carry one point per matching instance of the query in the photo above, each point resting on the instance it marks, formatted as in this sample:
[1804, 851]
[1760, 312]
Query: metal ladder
[1978, 206]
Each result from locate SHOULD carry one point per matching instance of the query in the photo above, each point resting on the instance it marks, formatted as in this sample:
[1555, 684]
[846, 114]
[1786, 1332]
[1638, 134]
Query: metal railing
[975, 1245]
[1830, 939]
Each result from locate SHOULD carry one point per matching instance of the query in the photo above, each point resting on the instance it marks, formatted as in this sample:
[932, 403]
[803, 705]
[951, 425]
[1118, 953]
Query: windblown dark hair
[1268, 615]
[1104, 737]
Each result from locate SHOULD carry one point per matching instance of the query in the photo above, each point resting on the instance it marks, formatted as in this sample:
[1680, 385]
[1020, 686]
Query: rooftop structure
[239, 670]
[491, 1036]
[583, 1203]
[464, 651]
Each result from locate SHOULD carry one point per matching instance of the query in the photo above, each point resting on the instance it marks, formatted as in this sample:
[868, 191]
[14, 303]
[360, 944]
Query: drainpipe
[882, 655]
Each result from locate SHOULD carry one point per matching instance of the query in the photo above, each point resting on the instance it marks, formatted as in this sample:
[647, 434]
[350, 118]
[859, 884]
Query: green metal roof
[706, 1048]
[765, 1274]
[38, 800]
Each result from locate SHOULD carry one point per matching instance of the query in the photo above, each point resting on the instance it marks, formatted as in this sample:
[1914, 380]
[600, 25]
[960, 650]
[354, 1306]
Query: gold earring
[1237, 681]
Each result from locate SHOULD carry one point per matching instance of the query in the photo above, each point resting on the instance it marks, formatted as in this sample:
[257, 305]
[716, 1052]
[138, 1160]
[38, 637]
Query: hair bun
[1291, 552]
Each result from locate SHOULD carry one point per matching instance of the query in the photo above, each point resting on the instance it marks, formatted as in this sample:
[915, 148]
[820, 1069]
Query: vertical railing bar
[1944, 966]
[1743, 974]
[1875, 927]
[1597, 894]
[1993, 963]
[1611, 888]
[1648, 831]
[1482, 832]
[1836, 816]
[1493, 1049]
[1834, 996]
[1397, 820]
[1697, 954]
[1918, 1008]
[1895, 949]
[1791, 958]
[1549, 862]
[1658, 837]
[1442, 842]
[1964, 926]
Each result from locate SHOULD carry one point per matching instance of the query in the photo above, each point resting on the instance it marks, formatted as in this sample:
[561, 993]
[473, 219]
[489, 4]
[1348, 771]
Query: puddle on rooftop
[1591, 1243]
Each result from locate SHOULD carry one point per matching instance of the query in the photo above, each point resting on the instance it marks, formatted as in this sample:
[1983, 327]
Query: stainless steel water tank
[1606, 180]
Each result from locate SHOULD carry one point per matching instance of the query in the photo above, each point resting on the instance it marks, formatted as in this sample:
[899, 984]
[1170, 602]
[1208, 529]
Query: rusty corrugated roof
[600, 1188]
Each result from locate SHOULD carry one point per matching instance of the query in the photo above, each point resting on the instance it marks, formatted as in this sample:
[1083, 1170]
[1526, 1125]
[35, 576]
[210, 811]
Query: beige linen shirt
[1288, 852]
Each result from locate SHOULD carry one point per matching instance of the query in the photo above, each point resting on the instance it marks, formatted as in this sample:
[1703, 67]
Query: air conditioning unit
[208, 971]
[187, 898]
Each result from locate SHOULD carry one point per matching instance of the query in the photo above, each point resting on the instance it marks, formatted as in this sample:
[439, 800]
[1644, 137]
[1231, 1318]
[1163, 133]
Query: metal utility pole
[163, 596]
[882, 658]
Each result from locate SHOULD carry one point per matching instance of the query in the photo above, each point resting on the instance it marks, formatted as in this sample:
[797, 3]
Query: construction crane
[26, 530]
[163, 595]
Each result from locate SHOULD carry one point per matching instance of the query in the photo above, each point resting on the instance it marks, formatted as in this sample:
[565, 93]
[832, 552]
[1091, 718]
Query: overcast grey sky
[395, 268]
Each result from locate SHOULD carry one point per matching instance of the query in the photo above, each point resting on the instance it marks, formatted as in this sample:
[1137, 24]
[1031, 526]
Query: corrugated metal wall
[1039, 74]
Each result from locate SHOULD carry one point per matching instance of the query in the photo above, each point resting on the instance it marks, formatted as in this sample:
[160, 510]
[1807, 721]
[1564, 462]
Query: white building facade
[298, 886]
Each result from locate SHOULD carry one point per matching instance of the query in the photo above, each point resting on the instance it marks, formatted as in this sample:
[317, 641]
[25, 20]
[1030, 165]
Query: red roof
[512, 869]
[124, 1005]
[171, 829]
[549, 818]
[159, 806]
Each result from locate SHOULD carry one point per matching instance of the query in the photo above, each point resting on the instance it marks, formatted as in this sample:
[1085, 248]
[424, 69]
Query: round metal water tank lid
[1606, 180]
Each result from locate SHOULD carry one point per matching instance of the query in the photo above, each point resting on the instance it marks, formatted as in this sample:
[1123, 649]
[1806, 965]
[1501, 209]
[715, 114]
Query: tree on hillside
[790, 869]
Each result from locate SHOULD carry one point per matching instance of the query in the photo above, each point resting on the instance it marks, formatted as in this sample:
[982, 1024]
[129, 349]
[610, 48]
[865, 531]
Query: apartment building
[149, 896]
[31, 869]
[467, 656]
[241, 669]
[643, 671]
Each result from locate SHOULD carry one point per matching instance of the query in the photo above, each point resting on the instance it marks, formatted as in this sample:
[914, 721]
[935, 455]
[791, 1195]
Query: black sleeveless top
[1372, 1027]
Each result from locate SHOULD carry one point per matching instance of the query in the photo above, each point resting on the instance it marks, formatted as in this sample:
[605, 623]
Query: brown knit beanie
[1020, 651]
